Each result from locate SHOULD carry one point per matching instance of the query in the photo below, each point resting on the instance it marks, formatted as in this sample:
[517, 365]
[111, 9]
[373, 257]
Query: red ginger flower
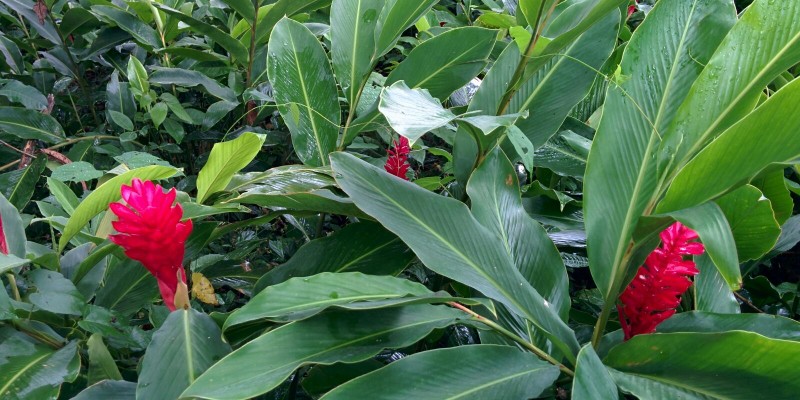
[151, 232]
[3, 244]
[397, 163]
[657, 288]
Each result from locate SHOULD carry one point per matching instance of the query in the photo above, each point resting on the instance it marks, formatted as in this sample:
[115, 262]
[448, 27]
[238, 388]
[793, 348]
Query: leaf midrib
[311, 117]
[22, 371]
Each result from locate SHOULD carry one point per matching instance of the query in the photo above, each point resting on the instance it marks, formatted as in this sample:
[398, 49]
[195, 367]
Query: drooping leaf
[187, 78]
[339, 336]
[449, 240]
[485, 371]
[226, 159]
[305, 91]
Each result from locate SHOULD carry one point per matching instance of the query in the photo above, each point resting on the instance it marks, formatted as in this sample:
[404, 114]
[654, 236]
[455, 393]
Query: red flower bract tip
[397, 163]
[656, 290]
[150, 230]
[3, 244]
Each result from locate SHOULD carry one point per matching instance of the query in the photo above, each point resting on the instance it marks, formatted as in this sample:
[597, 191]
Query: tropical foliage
[399, 199]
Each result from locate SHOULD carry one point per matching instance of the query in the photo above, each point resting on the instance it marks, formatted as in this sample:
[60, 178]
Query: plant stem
[12, 281]
[524, 343]
[62, 144]
[256, 5]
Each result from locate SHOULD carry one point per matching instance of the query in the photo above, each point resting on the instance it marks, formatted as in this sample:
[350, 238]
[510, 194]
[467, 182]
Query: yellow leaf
[202, 289]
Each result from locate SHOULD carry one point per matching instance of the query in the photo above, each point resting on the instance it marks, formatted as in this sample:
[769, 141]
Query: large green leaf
[339, 336]
[652, 80]
[353, 43]
[412, 112]
[305, 90]
[763, 44]
[497, 205]
[18, 186]
[30, 124]
[301, 297]
[101, 363]
[187, 78]
[771, 326]
[128, 287]
[184, 347]
[19, 92]
[107, 193]
[396, 17]
[729, 365]
[130, 23]
[450, 241]
[741, 151]
[362, 247]
[484, 372]
[772, 185]
[29, 370]
[752, 222]
[711, 292]
[117, 390]
[233, 46]
[592, 380]
[54, 293]
[446, 62]
[226, 159]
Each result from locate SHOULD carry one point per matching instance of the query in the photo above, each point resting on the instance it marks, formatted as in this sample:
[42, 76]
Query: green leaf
[64, 195]
[533, 10]
[106, 194]
[128, 287]
[771, 326]
[338, 336]
[565, 154]
[305, 91]
[711, 292]
[55, 293]
[450, 241]
[412, 112]
[773, 185]
[121, 120]
[715, 233]
[592, 379]
[497, 205]
[46, 29]
[29, 370]
[137, 75]
[740, 152]
[13, 228]
[658, 75]
[281, 9]
[763, 44]
[18, 186]
[485, 371]
[117, 390]
[30, 124]
[130, 23]
[120, 99]
[101, 364]
[78, 20]
[396, 17]
[361, 247]
[659, 366]
[79, 171]
[187, 78]
[752, 222]
[352, 43]
[446, 62]
[301, 297]
[176, 107]
[28, 96]
[234, 47]
[158, 113]
[226, 159]
[184, 347]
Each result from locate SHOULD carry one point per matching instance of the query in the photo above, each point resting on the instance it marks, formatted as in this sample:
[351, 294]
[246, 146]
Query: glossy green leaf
[283, 8]
[565, 154]
[446, 62]
[338, 336]
[101, 364]
[118, 390]
[18, 186]
[592, 379]
[79, 171]
[533, 10]
[763, 44]
[497, 205]
[740, 152]
[137, 75]
[109, 192]
[226, 159]
[353, 43]
[130, 23]
[771, 326]
[120, 99]
[659, 366]
[395, 18]
[711, 225]
[654, 76]
[77, 20]
[30, 124]
[711, 292]
[773, 185]
[305, 91]
[186, 345]
[234, 47]
[362, 247]
[752, 221]
[21, 93]
[450, 241]
[412, 112]
[55, 293]
[29, 370]
[485, 371]
[301, 297]
[13, 228]
[187, 78]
